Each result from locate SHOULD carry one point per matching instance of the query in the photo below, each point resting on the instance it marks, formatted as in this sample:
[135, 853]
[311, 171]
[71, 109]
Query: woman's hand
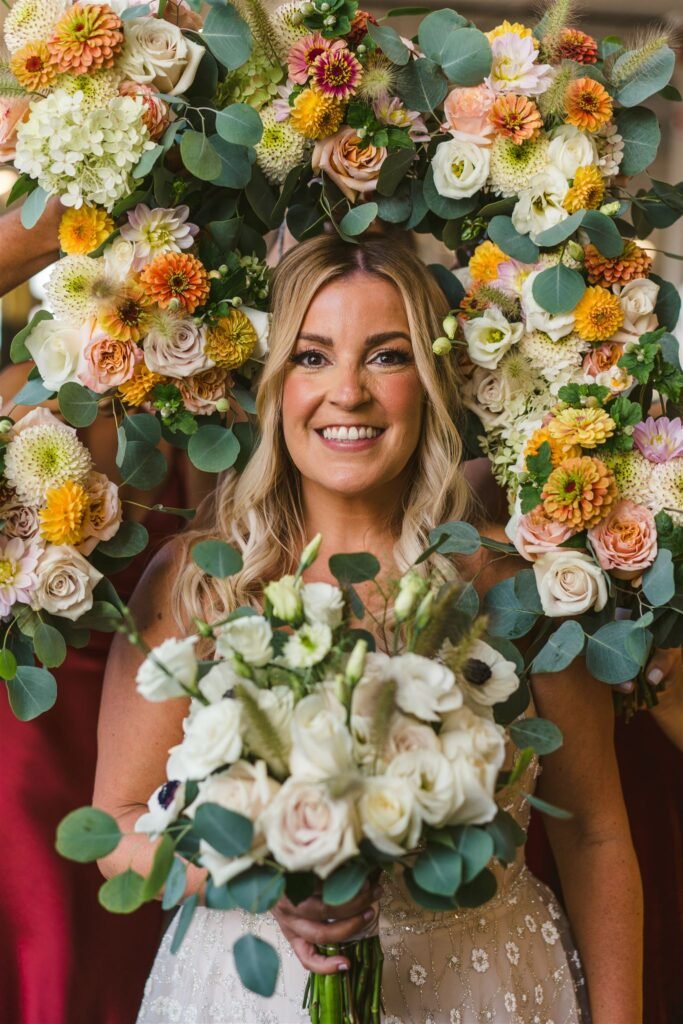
[664, 669]
[313, 923]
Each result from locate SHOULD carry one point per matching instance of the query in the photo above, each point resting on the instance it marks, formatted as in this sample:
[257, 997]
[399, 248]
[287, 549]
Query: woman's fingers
[663, 667]
[315, 910]
[314, 961]
[328, 934]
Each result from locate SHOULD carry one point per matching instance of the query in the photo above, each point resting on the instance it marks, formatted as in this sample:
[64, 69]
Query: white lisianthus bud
[356, 663]
[450, 326]
[424, 610]
[411, 588]
[310, 553]
[441, 347]
[284, 596]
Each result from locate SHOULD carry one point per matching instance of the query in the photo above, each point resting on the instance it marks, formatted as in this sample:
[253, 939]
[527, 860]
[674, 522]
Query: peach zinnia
[126, 318]
[176, 277]
[578, 46]
[588, 427]
[587, 104]
[580, 492]
[633, 263]
[32, 68]
[598, 315]
[86, 37]
[516, 118]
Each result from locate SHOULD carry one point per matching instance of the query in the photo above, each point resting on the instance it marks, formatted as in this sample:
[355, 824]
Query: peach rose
[625, 542]
[105, 362]
[602, 358]
[351, 165]
[157, 114]
[201, 391]
[467, 111]
[12, 112]
[534, 534]
[103, 517]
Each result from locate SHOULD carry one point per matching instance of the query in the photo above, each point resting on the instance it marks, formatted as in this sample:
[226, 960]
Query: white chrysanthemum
[82, 155]
[550, 357]
[32, 19]
[513, 166]
[281, 147]
[98, 88]
[633, 475]
[42, 457]
[72, 290]
[288, 26]
[610, 148]
[667, 489]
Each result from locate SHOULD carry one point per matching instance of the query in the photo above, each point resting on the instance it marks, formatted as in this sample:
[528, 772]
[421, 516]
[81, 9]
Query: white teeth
[350, 433]
[353, 434]
[361, 433]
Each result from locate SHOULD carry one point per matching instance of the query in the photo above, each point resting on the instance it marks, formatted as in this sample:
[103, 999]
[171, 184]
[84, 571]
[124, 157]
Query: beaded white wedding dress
[511, 961]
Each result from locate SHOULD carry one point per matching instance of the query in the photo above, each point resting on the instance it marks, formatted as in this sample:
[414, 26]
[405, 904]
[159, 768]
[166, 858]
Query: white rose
[165, 804]
[638, 300]
[251, 637]
[172, 656]
[272, 739]
[246, 789]
[176, 348]
[489, 337]
[570, 148]
[284, 596]
[487, 677]
[212, 739]
[389, 815]
[308, 646]
[475, 748]
[556, 326]
[55, 348]
[540, 205]
[118, 260]
[424, 688]
[219, 682]
[308, 830]
[569, 583]
[460, 168]
[321, 742]
[488, 395]
[65, 582]
[156, 53]
[429, 776]
[261, 323]
[323, 603]
[407, 733]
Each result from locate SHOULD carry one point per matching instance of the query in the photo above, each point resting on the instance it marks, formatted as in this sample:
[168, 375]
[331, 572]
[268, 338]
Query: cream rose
[107, 362]
[408, 733]
[308, 830]
[488, 394]
[176, 349]
[556, 326]
[427, 773]
[489, 337]
[322, 747]
[466, 111]
[625, 541]
[65, 582]
[460, 168]
[424, 688]
[260, 321]
[569, 583]
[169, 670]
[638, 300]
[157, 53]
[219, 682]
[55, 348]
[389, 815]
[352, 166]
[570, 148]
[212, 739]
[540, 205]
[475, 749]
[323, 603]
[251, 637]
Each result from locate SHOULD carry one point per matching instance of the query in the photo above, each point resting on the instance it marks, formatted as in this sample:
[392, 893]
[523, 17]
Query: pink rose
[12, 112]
[103, 517]
[535, 534]
[106, 362]
[467, 112]
[157, 114]
[201, 391]
[351, 165]
[625, 542]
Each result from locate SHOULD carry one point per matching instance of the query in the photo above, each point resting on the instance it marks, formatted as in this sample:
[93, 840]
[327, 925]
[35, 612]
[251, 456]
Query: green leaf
[550, 809]
[639, 128]
[390, 43]
[77, 404]
[507, 835]
[526, 591]
[659, 585]
[467, 601]
[475, 847]
[559, 651]
[87, 834]
[647, 79]
[438, 870]
[345, 883]
[257, 889]
[8, 664]
[199, 156]
[257, 964]
[142, 427]
[34, 207]
[603, 233]
[49, 645]
[558, 289]
[227, 36]
[33, 393]
[18, 352]
[435, 29]
[143, 465]
[479, 891]
[130, 539]
[560, 232]
[668, 307]
[123, 893]
[161, 865]
[31, 692]
[443, 206]
[466, 56]
[184, 920]
[147, 161]
[394, 209]
[538, 733]
[217, 896]
[502, 231]
[175, 884]
[226, 831]
[540, 465]
[423, 898]
[458, 538]
[507, 618]
[448, 282]
[607, 657]
[103, 616]
[358, 219]
[354, 568]
[299, 885]
[240, 124]
[213, 448]
[421, 85]
[21, 187]
[217, 558]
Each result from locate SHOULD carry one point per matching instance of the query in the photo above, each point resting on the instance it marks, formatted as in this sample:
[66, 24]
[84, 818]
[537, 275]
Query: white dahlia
[74, 287]
[550, 357]
[288, 25]
[667, 489]
[99, 87]
[281, 147]
[633, 474]
[42, 457]
[513, 166]
[30, 20]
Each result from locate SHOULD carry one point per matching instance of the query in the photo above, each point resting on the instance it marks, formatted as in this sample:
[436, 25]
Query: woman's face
[352, 402]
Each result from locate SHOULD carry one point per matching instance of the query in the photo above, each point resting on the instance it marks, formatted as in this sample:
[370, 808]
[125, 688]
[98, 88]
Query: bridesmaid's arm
[594, 852]
[25, 252]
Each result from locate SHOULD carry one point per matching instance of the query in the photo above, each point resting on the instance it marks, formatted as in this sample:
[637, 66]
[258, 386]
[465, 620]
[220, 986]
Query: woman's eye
[310, 358]
[391, 357]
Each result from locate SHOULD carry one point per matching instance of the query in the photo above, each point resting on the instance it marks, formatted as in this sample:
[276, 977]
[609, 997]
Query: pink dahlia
[304, 53]
[18, 560]
[336, 73]
[659, 440]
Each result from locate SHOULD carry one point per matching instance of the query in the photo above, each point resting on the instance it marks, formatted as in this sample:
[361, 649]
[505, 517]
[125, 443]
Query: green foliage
[443, 206]
[560, 649]
[213, 448]
[435, 29]
[358, 219]
[49, 645]
[147, 161]
[227, 36]
[345, 883]
[354, 568]
[143, 465]
[639, 128]
[455, 538]
[257, 889]
[529, 497]
[175, 884]
[560, 232]
[390, 43]
[669, 535]
[508, 616]
[87, 834]
[240, 124]
[438, 870]
[123, 893]
[8, 663]
[545, 808]
[575, 394]
[558, 289]
[34, 207]
[199, 156]
[475, 847]
[266, 740]
[78, 405]
[540, 734]
[603, 233]
[638, 74]
[507, 835]
[502, 231]
[31, 692]
[257, 964]
[421, 85]
[659, 585]
[617, 651]
[640, 361]
[130, 539]
[235, 166]
[217, 558]
[466, 56]
[228, 832]
[161, 866]
[540, 466]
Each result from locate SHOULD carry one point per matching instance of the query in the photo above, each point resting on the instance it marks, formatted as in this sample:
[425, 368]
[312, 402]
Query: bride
[359, 443]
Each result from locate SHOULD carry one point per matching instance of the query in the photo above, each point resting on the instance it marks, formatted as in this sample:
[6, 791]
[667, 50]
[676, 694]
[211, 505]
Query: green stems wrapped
[348, 997]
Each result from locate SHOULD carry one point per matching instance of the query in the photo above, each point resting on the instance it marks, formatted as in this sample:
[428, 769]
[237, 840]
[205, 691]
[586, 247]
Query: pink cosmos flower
[336, 73]
[281, 105]
[18, 560]
[625, 541]
[659, 440]
[304, 52]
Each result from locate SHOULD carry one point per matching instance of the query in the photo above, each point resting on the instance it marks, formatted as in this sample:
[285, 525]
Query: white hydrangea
[83, 155]
[550, 357]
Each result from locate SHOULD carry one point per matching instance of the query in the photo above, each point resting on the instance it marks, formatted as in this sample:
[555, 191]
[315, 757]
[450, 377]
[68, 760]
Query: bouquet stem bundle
[349, 997]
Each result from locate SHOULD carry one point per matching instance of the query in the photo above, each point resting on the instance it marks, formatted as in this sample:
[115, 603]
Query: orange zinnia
[587, 104]
[176, 277]
[516, 118]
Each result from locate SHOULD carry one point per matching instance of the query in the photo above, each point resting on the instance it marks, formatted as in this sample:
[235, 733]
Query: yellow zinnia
[140, 386]
[585, 427]
[587, 191]
[485, 261]
[231, 340]
[511, 26]
[61, 521]
[315, 115]
[598, 315]
[82, 231]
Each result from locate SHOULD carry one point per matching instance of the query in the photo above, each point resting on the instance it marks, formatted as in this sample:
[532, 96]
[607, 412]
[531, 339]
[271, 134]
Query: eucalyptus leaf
[560, 232]
[123, 893]
[456, 538]
[345, 883]
[502, 231]
[545, 808]
[235, 166]
[603, 233]
[32, 691]
[142, 427]
[647, 79]
[354, 568]
[444, 206]
[438, 870]
[228, 832]
[480, 890]
[421, 85]
[34, 207]
[435, 29]
[87, 834]
[538, 733]
[466, 57]
[558, 289]
[257, 964]
[507, 835]
[33, 393]
[213, 448]
[607, 657]
[389, 42]
[358, 219]
[227, 35]
[507, 617]
[77, 404]
[424, 898]
[217, 558]
[257, 889]
[239, 123]
[659, 584]
[49, 644]
[668, 307]
[199, 156]
[8, 664]
[184, 920]
[143, 466]
[175, 884]
[475, 847]
[161, 865]
[394, 170]
[130, 539]
[147, 161]
[560, 649]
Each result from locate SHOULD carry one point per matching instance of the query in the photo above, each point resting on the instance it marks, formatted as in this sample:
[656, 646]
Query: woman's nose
[349, 387]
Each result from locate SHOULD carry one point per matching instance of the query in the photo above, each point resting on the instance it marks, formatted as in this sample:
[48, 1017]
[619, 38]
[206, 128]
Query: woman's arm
[24, 252]
[593, 850]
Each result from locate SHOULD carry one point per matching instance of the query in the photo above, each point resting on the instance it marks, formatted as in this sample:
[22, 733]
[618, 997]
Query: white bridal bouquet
[311, 761]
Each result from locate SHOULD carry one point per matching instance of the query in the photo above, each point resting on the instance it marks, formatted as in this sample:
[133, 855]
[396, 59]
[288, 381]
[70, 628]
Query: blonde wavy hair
[259, 511]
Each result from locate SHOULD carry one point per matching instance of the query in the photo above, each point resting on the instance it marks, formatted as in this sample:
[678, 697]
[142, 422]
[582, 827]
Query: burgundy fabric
[652, 777]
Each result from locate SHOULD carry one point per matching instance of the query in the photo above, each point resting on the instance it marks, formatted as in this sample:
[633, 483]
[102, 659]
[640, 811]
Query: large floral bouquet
[310, 762]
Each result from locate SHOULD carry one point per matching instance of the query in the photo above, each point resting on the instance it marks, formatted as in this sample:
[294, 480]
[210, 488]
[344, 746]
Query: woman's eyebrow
[370, 341]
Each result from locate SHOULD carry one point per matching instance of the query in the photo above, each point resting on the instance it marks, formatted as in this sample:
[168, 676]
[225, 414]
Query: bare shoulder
[151, 604]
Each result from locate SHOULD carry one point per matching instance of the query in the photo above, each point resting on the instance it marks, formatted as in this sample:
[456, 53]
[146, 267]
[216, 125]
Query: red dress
[652, 779]
[64, 959]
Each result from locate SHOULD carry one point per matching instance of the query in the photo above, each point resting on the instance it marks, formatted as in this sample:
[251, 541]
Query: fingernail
[655, 676]
[627, 687]
[368, 915]
[342, 967]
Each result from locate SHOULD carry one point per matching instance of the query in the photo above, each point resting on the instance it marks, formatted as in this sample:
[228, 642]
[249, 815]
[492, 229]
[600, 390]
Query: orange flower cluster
[587, 104]
[633, 263]
[176, 277]
[516, 118]
[87, 37]
[580, 492]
